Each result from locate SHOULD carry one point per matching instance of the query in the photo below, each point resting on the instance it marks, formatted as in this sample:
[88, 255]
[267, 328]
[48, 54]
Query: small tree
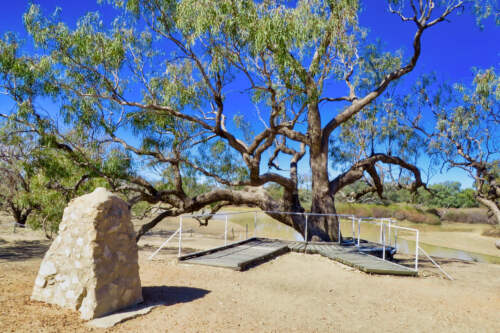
[15, 181]
[36, 181]
[466, 132]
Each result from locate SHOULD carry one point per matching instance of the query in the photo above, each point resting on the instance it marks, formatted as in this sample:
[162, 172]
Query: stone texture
[92, 265]
[497, 244]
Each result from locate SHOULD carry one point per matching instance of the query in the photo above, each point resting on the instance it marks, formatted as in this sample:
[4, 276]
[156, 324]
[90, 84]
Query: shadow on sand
[153, 297]
[164, 295]
[424, 263]
[23, 250]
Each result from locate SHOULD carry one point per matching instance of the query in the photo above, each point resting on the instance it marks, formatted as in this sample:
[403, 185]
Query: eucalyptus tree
[15, 182]
[235, 94]
[37, 181]
[466, 134]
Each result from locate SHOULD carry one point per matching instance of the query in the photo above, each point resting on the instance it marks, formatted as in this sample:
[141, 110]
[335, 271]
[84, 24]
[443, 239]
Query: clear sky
[452, 52]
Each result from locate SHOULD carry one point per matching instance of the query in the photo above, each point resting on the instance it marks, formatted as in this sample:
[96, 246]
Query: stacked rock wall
[92, 265]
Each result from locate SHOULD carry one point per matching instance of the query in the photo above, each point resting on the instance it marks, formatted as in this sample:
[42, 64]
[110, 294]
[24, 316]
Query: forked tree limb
[368, 165]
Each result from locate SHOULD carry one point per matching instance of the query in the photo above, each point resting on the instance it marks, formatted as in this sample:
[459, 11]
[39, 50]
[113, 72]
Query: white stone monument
[92, 265]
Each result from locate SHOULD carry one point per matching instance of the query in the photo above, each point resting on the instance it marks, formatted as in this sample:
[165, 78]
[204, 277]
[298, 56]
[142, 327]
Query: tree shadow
[164, 295]
[23, 250]
[424, 263]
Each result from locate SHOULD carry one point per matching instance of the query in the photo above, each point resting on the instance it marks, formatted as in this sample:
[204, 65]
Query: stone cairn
[92, 265]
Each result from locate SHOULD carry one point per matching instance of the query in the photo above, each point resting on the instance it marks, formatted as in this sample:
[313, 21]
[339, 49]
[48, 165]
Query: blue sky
[452, 51]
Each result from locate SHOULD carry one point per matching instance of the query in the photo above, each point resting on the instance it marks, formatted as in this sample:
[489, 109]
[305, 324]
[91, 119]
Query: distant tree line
[441, 195]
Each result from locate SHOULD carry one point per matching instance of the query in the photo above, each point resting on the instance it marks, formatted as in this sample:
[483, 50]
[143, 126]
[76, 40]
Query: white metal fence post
[383, 241]
[353, 232]
[225, 232]
[359, 231]
[305, 239]
[339, 235]
[396, 239]
[390, 222]
[180, 236]
[416, 251]
[381, 224]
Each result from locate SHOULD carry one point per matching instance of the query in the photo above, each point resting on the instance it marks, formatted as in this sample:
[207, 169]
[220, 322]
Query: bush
[466, 215]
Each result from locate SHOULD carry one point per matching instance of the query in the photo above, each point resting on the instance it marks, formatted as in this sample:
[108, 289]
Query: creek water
[403, 240]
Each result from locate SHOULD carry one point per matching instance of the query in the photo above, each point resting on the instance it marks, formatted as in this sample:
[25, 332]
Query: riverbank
[418, 214]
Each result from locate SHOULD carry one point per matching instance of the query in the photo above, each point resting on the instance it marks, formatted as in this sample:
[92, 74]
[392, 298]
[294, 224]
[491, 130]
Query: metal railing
[178, 231]
[14, 225]
[388, 228]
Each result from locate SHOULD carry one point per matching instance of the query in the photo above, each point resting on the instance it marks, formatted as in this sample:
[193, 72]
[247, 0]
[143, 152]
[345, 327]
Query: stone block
[92, 265]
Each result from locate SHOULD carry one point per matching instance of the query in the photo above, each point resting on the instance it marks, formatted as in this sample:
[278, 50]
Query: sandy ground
[292, 293]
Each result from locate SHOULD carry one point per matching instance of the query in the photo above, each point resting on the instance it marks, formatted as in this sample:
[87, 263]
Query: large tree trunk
[321, 228]
[20, 216]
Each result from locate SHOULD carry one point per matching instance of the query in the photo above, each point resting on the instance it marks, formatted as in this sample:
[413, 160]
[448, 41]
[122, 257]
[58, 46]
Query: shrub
[466, 215]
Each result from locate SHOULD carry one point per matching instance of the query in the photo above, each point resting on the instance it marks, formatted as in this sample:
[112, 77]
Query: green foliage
[466, 130]
[441, 195]
[36, 181]
[447, 195]
[376, 129]
[275, 191]
[140, 209]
